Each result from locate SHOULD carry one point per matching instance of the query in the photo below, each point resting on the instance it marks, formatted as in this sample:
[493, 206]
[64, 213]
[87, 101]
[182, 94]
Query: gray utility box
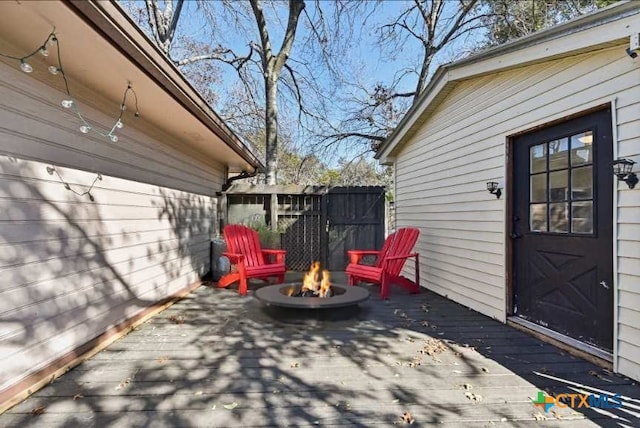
[219, 264]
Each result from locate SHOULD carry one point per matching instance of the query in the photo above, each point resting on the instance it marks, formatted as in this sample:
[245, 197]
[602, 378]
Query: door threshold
[579, 349]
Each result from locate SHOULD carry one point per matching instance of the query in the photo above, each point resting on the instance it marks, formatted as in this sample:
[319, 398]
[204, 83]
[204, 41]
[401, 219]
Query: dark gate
[355, 219]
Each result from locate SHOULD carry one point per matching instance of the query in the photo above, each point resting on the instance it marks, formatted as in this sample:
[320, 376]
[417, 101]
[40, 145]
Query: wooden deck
[218, 359]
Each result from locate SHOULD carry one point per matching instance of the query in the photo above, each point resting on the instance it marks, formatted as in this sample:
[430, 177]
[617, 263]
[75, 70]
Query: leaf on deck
[556, 414]
[38, 410]
[473, 397]
[230, 406]
[177, 319]
[407, 418]
[433, 347]
[539, 416]
[123, 384]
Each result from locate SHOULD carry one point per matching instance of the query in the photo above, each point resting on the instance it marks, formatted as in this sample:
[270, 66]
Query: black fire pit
[281, 295]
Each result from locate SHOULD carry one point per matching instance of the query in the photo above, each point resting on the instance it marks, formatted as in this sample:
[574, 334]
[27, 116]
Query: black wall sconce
[622, 169]
[494, 189]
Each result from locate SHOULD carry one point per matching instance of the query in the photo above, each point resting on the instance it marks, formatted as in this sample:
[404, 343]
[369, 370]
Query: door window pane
[538, 217]
[582, 217]
[539, 188]
[538, 158]
[582, 183]
[561, 185]
[558, 185]
[558, 217]
[559, 154]
[581, 148]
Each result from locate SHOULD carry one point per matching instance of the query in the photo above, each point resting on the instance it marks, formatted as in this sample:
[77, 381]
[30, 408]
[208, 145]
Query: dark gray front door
[563, 228]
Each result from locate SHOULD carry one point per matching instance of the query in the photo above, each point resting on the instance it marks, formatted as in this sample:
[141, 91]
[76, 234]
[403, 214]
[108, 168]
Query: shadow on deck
[218, 359]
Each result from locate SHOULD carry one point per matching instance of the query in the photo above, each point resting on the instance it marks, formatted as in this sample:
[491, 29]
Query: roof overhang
[581, 35]
[102, 51]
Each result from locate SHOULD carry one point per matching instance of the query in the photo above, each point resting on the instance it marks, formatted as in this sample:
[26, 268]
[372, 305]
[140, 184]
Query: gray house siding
[71, 268]
[442, 168]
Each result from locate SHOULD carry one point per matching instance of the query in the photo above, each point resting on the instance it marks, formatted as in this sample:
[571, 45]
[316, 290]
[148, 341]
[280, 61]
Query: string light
[69, 102]
[51, 170]
[24, 66]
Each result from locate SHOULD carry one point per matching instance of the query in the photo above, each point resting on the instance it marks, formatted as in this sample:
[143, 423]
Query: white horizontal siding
[628, 231]
[35, 126]
[71, 268]
[442, 170]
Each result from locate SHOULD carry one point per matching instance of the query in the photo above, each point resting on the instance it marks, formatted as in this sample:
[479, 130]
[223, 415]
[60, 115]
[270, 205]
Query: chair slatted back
[385, 249]
[246, 241]
[403, 241]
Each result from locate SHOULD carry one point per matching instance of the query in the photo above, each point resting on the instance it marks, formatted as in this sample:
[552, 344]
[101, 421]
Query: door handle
[515, 236]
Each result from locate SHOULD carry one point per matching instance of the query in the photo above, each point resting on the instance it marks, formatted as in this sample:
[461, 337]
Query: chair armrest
[356, 255]
[404, 256]
[234, 258]
[278, 253]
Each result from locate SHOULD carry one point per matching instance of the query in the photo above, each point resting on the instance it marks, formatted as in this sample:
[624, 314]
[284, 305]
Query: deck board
[422, 354]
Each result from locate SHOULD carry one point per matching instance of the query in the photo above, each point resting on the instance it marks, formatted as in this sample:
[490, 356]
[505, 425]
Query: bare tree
[163, 23]
[434, 24]
[374, 111]
[272, 65]
[270, 58]
[507, 20]
[160, 19]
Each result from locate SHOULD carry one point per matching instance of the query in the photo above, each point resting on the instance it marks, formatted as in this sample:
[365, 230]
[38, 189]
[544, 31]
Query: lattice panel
[300, 219]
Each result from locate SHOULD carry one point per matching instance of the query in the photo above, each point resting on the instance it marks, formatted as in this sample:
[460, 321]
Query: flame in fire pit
[314, 283]
[311, 279]
[325, 284]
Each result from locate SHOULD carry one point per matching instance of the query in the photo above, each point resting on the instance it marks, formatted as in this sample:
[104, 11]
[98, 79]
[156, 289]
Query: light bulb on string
[25, 66]
[44, 49]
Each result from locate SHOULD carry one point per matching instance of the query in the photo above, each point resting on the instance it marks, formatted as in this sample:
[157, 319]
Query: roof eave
[114, 24]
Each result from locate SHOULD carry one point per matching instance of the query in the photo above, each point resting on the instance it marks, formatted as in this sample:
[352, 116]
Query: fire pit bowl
[280, 295]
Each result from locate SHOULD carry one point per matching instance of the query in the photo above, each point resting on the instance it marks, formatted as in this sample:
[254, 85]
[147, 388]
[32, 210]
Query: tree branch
[295, 9]
[266, 52]
[174, 20]
[459, 22]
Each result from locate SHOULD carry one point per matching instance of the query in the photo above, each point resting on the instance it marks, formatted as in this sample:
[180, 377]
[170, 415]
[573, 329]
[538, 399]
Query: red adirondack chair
[243, 251]
[389, 263]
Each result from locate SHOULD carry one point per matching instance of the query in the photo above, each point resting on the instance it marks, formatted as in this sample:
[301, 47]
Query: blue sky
[364, 62]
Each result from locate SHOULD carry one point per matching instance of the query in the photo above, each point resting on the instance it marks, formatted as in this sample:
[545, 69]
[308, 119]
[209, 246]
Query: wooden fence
[313, 222]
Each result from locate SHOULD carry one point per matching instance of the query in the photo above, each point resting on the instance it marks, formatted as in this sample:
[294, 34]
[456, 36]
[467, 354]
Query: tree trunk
[271, 128]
